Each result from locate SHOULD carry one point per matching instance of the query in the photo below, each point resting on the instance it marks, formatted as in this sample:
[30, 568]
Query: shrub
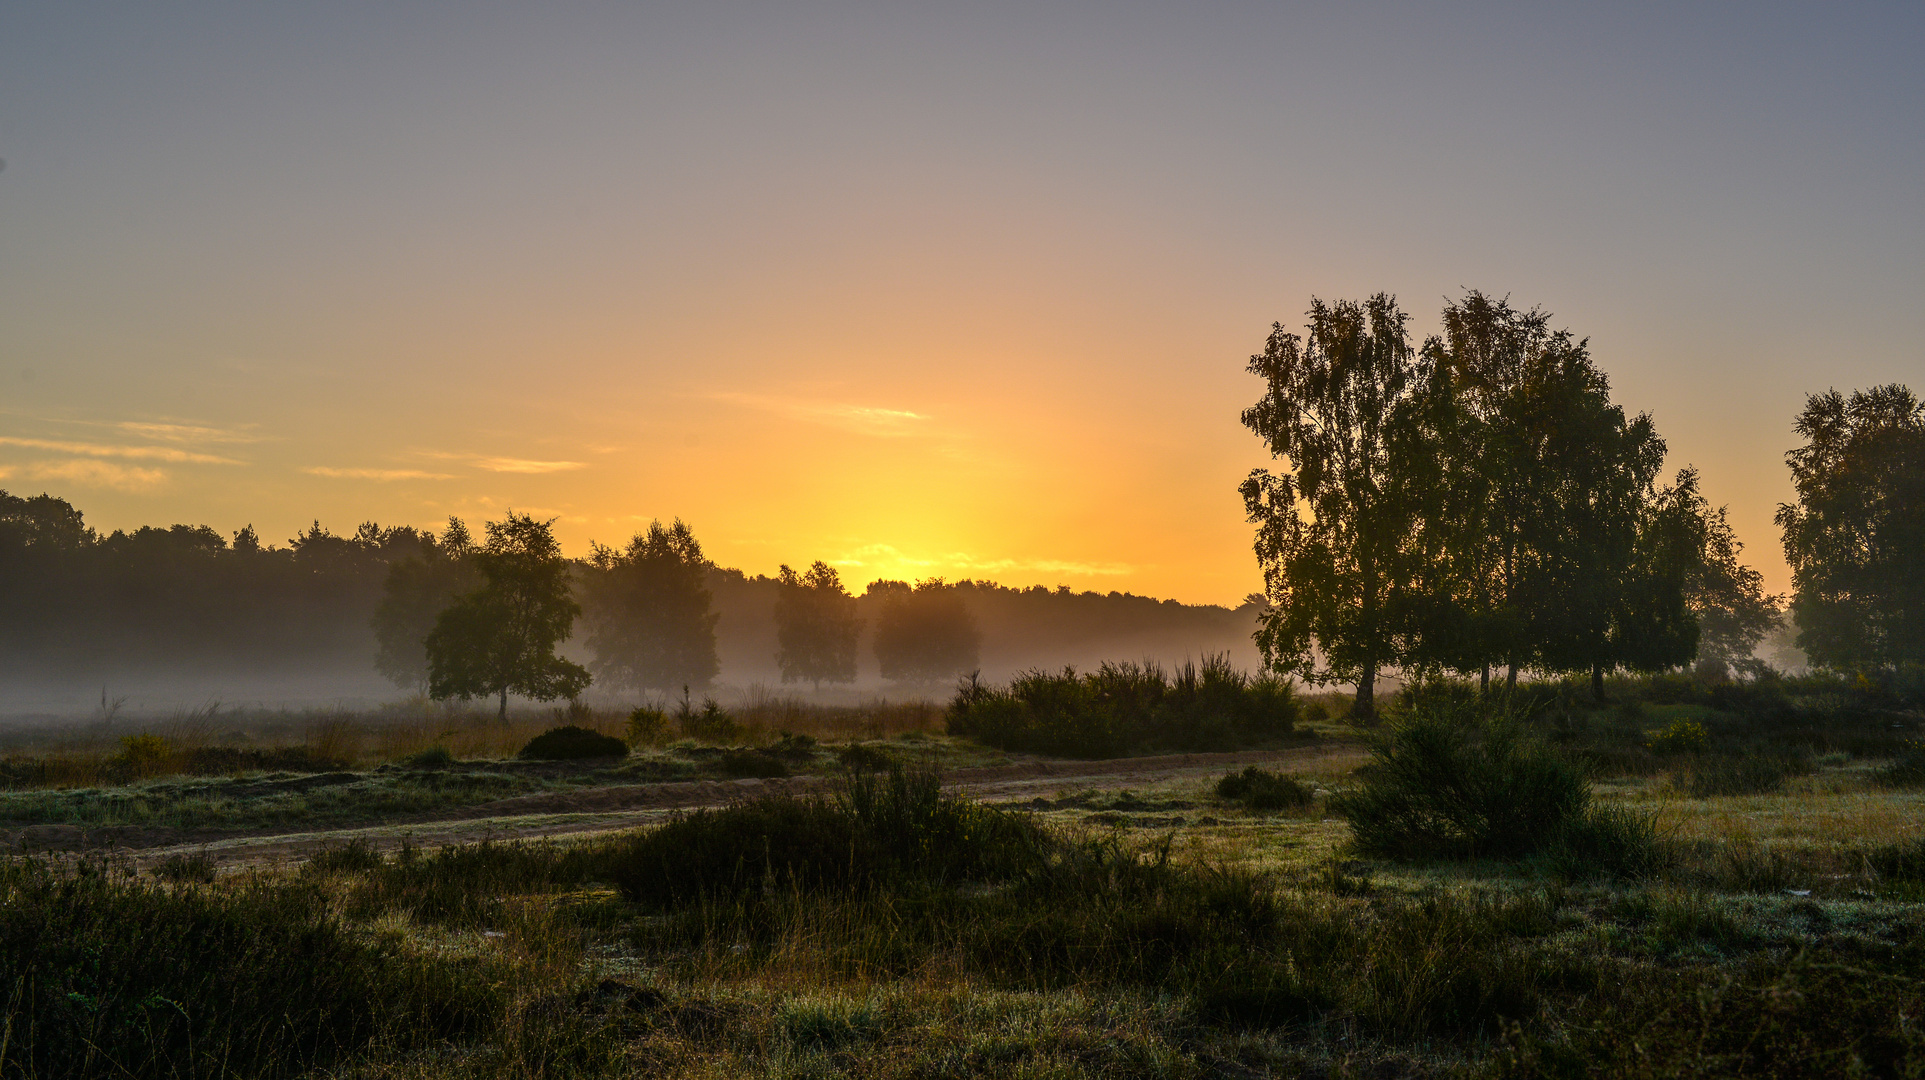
[793, 747]
[897, 826]
[1681, 737]
[1443, 782]
[1258, 789]
[1607, 841]
[1123, 708]
[572, 744]
[434, 757]
[646, 726]
[711, 723]
[865, 758]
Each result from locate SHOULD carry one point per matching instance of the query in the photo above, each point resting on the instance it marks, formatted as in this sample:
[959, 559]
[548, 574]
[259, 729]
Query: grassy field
[1175, 927]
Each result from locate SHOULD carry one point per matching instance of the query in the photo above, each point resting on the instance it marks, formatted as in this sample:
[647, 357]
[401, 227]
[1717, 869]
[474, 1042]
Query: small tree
[1856, 537]
[1334, 531]
[816, 627]
[925, 634]
[502, 636]
[417, 591]
[1728, 599]
[647, 609]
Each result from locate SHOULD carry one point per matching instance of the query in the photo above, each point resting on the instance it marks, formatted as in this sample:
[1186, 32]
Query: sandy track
[609, 809]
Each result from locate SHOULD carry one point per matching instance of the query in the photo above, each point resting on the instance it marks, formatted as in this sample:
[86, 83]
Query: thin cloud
[375, 474]
[98, 474]
[887, 557]
[144, 453]
[186, 433]
[861, 419]
[520, 465]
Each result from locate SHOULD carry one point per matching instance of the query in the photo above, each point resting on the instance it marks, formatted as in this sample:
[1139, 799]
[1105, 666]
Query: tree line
[188, 601]
[1477, 503]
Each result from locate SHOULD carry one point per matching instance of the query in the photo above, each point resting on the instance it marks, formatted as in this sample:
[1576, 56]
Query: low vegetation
[1126, 708]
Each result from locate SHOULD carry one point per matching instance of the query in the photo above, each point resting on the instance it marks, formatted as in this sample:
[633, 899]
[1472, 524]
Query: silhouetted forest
[186, 604]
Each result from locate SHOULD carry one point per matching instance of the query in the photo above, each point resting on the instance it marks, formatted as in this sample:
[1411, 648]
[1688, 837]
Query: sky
[962, 290]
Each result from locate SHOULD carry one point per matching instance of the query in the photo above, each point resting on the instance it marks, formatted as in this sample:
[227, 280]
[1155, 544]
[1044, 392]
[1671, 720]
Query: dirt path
[608, 809]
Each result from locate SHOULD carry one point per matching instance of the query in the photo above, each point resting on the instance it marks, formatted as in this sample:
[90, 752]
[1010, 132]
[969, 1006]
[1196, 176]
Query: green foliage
[1333, 533]
[865, 758]
[110, 976]
[925, 634]
[1443, 782]
[179, 868]
[1259, 789]
[890, 827]
[570, 743]
[647, 609]
[1126, 708]
[355, 856]
[501, 638]
[1680, 737]
[815, 626]
[1856, 537]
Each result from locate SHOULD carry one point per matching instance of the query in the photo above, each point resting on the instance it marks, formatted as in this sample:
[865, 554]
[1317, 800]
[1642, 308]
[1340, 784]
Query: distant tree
[1335, 531]
[42, 522]
[925, 634]
[501, 637]
[647, 609]
[1728, 599]
[815, 627]
[418, 589]
[1856, 537]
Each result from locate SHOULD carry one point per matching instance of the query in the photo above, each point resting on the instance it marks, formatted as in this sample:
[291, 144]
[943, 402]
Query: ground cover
[1146, 922]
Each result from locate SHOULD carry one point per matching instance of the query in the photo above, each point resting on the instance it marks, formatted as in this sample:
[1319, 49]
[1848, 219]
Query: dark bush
[1442, 783]
[110, 976]
[572, 744]
[754, 763]
[198, 867]
[799, 749]
[865, 758]
[895, 826]
[710, 724]
[1126, 708]
[461, 884]
[434, 757]
[1445, 783]
[1259, 789]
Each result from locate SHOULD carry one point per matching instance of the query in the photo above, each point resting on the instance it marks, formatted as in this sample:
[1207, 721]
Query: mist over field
[166, 621]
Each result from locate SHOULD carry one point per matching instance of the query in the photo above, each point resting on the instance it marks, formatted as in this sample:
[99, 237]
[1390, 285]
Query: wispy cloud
[139, 453]
[97, 474]
[186, 433]
[375, 474]
[520, 465]
[886, 558]
[861, 419]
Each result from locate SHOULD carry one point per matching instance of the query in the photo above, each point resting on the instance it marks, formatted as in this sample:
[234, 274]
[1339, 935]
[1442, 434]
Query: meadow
[1716, 879]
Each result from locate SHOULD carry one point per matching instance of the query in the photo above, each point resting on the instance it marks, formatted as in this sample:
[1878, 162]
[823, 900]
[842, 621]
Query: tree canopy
[816, 626]
[924, 634]
[418, 589]
[1855, 538]
[647, 610]
[501, 638]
